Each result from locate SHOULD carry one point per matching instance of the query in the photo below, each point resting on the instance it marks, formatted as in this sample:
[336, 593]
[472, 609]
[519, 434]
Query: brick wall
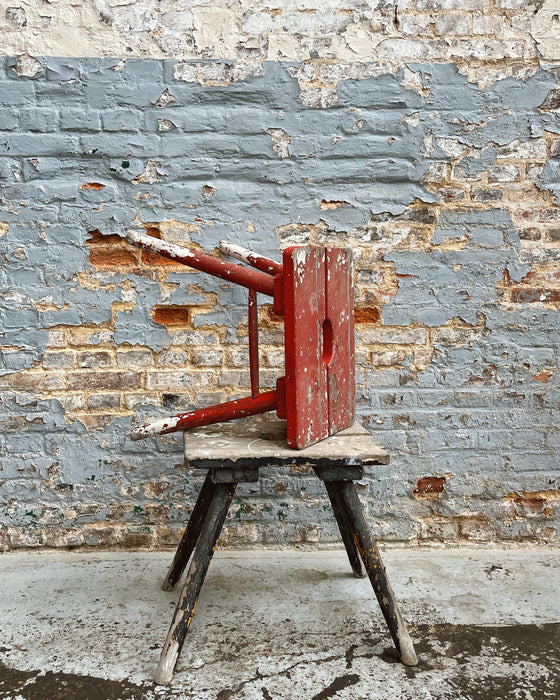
[423, 135]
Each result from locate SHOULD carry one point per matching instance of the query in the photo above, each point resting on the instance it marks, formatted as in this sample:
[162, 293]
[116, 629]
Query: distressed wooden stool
[234, 453]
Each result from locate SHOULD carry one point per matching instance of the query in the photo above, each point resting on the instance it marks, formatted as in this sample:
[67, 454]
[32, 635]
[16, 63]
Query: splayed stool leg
[191, 534]
[345, 530]
[376, 572]
[207, 540]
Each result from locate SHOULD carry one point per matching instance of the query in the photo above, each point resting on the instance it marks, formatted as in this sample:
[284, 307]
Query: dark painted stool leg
[202, 557]
[376, 572]
[345, 530]
[190, 536]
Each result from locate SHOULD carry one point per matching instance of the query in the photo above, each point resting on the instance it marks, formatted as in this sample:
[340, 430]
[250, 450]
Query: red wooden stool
[312, 289]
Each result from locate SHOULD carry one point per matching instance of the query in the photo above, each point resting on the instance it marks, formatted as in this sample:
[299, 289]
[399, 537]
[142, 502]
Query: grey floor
[282, 625]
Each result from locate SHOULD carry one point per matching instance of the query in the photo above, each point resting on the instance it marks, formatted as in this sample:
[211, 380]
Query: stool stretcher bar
[271, 267]
[231, 272]
[240, 408]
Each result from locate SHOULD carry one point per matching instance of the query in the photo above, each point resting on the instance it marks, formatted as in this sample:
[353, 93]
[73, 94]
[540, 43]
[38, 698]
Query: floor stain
[338, 684]
[473, 662]
[29, 685]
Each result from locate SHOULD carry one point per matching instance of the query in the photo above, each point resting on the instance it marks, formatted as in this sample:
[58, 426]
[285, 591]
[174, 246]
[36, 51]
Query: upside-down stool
[233, 453]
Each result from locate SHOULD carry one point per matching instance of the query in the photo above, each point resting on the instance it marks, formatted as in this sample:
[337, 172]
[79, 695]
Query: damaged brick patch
[171, 315]
[367, 314]
[429, 488]
[92, 186]
[536, 503]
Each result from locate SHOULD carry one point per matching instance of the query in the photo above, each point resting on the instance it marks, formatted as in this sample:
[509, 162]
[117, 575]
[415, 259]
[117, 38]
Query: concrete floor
[281, 625]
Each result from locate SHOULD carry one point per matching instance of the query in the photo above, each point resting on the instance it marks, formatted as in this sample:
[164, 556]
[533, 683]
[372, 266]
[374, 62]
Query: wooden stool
[233, 453]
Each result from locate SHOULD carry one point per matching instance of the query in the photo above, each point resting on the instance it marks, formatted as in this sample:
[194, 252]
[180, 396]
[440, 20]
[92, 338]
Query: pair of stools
[233, 453]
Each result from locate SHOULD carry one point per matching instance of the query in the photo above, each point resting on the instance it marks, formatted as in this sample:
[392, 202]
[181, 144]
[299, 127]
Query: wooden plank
[306, 373]
[340, 472]
[237, 475]
[190, 535]
[369, 552]
[261, 441]
[346, 533]
[338, 338]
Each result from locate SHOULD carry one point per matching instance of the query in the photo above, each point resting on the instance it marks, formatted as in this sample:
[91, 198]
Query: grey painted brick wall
[446, 195]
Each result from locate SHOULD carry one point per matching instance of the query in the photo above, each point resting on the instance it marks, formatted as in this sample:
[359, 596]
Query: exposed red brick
[520, 295]
[112, 257]
[552, 100]
[155, 260]
[543, 376]
[154, 232]
[366, 314]
[537, 502]
[548, 275]
[37, 381]
[272, 317]
[92, 186]
[98, 238]
[171, 315]
[428, 487]
[542, 215]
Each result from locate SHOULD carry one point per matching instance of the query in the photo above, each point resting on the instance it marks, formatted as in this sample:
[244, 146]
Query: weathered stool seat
[233, 453]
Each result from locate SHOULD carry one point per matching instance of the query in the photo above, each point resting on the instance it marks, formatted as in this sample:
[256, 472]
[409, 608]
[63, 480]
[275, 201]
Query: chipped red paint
[260, 262]
[240, 408]
[314, 289]
[319, 337]
[253, 330]
[306, 371]
[238, 274]
[338, 338]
